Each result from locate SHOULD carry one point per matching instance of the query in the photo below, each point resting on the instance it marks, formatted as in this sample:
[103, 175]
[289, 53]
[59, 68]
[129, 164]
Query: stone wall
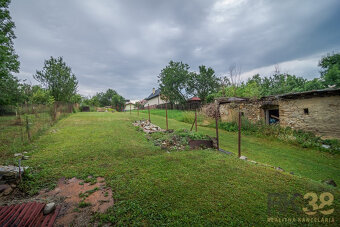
[251, 110]
[323, 116]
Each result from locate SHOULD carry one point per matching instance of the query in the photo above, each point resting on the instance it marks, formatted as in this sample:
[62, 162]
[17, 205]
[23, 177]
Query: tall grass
[260, 129]
[287, 134]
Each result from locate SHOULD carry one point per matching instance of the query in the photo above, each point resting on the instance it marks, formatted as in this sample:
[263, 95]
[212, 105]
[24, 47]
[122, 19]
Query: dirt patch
[79, 199]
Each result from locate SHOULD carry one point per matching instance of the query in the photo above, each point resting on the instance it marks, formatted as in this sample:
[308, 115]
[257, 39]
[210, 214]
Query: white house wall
[155, 101]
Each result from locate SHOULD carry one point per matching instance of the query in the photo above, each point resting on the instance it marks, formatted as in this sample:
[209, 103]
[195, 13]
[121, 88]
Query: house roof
[231, 99]
[194, 99]
[295, 95]
[157, 93]
[313, 93]
[132, 102]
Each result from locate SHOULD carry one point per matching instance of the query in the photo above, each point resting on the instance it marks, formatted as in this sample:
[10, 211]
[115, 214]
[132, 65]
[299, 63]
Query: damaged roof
[295, 95]
[312, 93]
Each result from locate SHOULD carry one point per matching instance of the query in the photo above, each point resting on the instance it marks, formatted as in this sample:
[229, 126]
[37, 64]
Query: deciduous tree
[203, 83]
[58, 78]
[173, 81]
[9, 84]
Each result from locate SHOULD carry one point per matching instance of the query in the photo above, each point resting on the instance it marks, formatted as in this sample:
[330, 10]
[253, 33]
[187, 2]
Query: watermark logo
[310, 207]
[326, 200]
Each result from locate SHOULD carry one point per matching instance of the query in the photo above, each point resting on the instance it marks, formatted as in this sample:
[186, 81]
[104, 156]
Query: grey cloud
[124, 44]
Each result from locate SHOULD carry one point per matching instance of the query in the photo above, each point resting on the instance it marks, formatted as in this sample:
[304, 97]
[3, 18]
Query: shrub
[189, 117]
[298, 137]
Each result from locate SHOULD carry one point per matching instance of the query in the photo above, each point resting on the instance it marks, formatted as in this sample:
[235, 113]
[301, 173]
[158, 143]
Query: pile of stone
[9, 178]
[10, 175]
[147, 126]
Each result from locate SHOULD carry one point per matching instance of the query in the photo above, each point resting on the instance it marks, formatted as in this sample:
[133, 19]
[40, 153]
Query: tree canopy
[9, 84]
[177, 83]
[203, 83]
[330, 72]
[173, 81]
[58, 78]
[108, 98]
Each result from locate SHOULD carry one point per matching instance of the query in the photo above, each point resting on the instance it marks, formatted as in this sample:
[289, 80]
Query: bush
[189, 117]
[298, 137]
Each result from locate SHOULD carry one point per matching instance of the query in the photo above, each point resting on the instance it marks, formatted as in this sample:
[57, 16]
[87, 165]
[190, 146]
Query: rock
[8, 191]
[325, 146]
[25, 152]
[214, 140]
[279, 169]
[49, 208]
[330, 182]
[10, 173]
[25, 157]
[292, 173]
[253, 162]
[3, 187]
[18, 155]
[243, 157]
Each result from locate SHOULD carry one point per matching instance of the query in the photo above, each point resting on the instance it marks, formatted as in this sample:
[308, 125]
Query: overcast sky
[124, 44]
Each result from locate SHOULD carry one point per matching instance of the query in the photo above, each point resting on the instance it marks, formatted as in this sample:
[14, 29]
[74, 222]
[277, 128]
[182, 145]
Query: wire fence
[19, 125]
[197, 115]
[170, 106]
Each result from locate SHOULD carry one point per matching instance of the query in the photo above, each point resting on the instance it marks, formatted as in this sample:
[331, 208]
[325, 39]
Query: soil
[70, 192]
[96, 196]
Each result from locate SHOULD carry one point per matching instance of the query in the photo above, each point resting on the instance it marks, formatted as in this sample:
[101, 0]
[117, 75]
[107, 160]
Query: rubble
[10, 173]
[243, 158]
[9, 177]
[147, 126]
[330, 182]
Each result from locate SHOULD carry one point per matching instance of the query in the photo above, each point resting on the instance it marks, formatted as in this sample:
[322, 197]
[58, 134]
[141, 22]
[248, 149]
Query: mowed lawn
[154, 187]
[303, 162]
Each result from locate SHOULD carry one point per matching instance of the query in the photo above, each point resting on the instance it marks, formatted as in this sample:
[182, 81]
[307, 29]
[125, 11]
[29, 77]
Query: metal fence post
[21, 131]
[239, 134]
[196, 119]
[149, 113]
[28, 129]
[216, 122]
[166, 116]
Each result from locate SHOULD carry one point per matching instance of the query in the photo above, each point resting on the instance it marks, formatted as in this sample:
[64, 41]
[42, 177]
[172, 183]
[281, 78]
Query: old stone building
[316, 111]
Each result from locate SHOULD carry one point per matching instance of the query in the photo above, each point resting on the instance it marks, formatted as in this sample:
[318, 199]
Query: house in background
[131, 104]
[154, 99]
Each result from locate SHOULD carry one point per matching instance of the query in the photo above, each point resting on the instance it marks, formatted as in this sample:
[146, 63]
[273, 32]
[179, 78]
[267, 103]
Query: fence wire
[21, 124]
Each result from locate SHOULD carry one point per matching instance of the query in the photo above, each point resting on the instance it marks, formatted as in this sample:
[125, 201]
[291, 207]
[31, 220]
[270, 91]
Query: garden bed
[181, 139]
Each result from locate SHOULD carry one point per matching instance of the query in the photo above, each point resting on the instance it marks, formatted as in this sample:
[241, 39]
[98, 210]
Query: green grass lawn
[13, 132]
[153, 187]
[304, 162]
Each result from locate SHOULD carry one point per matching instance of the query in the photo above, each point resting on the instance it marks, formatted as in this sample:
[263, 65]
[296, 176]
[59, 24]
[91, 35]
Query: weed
[83, 204]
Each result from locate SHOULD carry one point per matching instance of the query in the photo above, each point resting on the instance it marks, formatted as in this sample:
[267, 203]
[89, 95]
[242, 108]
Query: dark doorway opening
[273, 116]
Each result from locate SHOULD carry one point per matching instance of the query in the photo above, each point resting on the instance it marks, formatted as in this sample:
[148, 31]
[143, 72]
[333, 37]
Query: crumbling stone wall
[251, 110]
[318, 114]
[323, 116]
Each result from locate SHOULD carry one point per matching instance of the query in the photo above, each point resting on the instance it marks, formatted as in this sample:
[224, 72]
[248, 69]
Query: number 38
[315, 206]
